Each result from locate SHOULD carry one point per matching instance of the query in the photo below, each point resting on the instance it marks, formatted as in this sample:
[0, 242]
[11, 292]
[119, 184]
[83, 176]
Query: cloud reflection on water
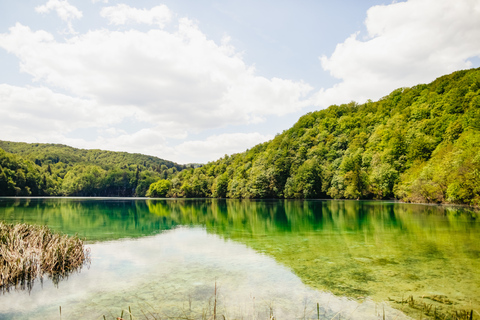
[163, 272]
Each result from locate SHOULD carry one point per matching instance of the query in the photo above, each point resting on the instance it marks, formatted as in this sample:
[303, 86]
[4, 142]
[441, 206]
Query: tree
[159, 188]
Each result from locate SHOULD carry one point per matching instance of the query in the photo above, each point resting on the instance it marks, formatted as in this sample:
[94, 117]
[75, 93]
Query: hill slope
[54, 169]
[418, 144]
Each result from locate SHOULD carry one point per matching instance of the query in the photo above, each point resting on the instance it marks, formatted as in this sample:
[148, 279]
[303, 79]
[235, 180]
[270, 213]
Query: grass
[207, 314]
[28, 252]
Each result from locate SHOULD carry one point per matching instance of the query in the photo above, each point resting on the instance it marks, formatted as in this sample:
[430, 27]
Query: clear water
[163, 258]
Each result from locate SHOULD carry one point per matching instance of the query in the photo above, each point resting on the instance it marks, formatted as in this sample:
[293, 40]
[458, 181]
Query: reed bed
[28, 252]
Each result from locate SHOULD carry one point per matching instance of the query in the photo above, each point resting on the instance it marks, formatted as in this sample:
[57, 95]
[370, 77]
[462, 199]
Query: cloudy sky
[190, 81]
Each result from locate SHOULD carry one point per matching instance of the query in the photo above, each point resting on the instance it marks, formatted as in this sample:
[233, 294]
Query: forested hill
[419, 144]
[53, 169]
[53, 153]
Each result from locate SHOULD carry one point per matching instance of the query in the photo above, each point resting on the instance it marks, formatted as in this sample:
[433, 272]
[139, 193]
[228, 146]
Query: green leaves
[451, 175]
[416, 144]
[48, 169]
[159, 188]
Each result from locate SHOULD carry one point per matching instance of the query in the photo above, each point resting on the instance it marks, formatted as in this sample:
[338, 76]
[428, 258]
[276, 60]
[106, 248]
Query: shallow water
[176, 272]
[163, 257]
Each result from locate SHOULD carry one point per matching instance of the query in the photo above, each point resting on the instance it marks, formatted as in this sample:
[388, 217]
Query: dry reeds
[28, 252]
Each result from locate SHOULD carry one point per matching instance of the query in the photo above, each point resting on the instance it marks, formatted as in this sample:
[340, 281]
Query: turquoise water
[164, 257]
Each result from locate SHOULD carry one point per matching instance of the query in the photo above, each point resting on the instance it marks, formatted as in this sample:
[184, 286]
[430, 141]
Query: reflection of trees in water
[250, 216]
[102, 219]
[113, 219]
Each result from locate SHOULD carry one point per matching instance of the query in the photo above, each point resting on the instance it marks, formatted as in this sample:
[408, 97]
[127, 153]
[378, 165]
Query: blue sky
[190, 81]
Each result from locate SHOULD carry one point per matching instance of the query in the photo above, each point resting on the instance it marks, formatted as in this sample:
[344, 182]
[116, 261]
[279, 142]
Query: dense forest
[418, 144]
[58, 170]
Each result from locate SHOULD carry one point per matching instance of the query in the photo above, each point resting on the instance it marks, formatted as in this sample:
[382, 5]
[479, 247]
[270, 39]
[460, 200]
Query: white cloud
[152, 141]
[39, 114]
[179, 77]
[174, 83]
[217, 146]
[408, 43]
[122, 14]
[64, 10]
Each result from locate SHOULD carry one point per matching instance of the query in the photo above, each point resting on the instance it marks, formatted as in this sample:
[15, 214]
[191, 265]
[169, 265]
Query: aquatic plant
[28, 252]
[426, 312]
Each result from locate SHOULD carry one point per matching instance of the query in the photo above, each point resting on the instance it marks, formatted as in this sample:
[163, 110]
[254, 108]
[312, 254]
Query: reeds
[28, 252]
[438, 311]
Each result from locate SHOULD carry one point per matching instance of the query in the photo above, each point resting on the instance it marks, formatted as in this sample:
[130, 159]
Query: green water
[354, 258]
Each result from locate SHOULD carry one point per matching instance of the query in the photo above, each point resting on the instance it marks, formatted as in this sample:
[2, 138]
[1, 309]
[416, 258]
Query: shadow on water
[359, 249]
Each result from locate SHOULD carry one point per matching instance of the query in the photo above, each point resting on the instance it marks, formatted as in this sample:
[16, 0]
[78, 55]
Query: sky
[190, 81]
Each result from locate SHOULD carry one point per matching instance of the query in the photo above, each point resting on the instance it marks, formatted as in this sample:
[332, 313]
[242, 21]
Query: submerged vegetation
[419, 144]
[58, 170]
[28, 252]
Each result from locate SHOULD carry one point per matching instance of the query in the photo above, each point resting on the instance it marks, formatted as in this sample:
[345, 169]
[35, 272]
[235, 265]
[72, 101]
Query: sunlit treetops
[419, 144]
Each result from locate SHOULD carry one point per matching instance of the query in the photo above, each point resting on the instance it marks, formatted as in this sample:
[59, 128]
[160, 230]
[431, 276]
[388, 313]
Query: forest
[418, 144]
[58, 170]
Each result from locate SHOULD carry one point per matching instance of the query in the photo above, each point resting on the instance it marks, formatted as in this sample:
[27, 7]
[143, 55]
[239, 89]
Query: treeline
[58, 170]
[419, 144]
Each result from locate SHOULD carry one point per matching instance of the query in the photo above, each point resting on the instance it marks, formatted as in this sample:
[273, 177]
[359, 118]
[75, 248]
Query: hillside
[418, 144]
[53, 169]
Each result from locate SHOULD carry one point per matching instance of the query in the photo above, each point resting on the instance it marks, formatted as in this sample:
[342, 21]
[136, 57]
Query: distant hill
[49, 153]
[418, 144]
[55, 169]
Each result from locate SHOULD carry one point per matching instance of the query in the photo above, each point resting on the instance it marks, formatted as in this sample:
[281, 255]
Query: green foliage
[159, 188]
[452, 175]
[418, 144]
[19, 177]
[306, 183]
[51, 169]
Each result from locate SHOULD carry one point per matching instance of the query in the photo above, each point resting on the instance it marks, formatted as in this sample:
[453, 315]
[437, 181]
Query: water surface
[354, 258]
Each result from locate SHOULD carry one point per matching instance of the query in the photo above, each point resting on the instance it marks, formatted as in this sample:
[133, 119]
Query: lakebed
[352, 259]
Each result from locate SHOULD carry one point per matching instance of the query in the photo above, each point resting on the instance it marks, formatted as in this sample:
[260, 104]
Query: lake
[291, 259]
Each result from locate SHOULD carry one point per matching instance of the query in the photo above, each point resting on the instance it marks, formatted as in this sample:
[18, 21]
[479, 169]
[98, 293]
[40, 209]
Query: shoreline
[446, 204]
